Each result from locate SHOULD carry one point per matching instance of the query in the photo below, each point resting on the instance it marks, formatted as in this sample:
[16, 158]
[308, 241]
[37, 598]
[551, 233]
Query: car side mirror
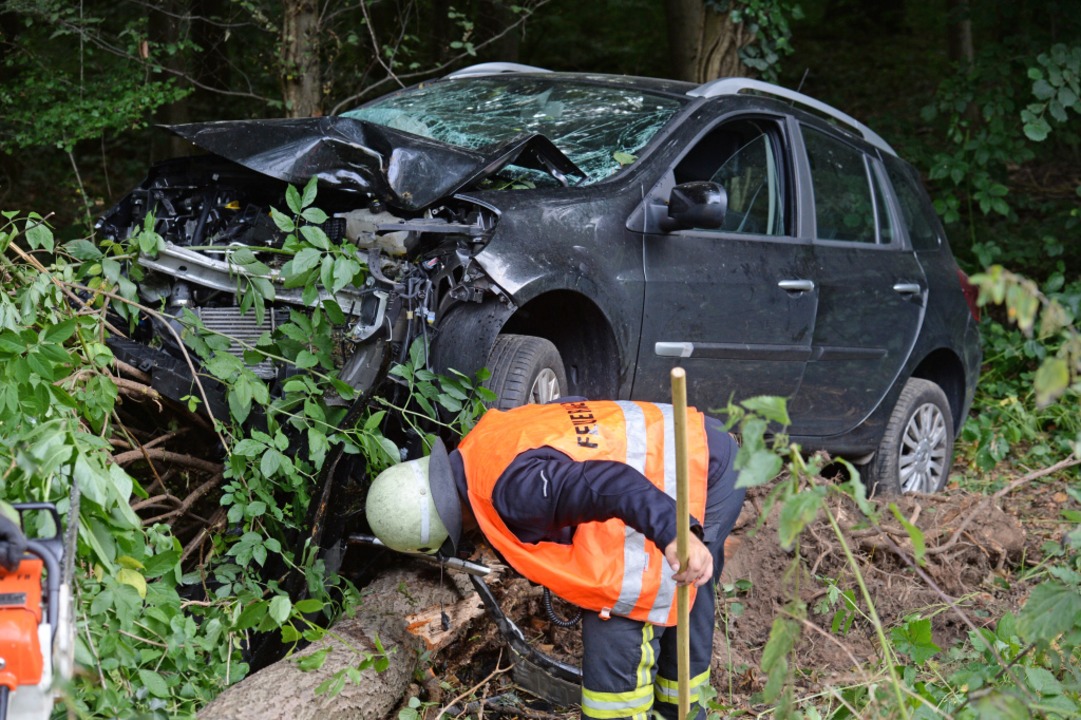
[698, 204]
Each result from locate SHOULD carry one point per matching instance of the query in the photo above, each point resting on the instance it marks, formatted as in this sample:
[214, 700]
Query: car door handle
[796, 285]
[908, 288]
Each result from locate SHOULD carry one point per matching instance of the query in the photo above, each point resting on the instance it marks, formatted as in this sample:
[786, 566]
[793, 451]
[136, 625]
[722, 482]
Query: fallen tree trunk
[391, 609]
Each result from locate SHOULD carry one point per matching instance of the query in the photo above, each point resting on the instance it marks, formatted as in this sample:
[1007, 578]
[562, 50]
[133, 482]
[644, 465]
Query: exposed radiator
[241, 328]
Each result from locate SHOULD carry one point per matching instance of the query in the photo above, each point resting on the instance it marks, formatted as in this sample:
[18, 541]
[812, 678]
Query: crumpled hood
[404, 170]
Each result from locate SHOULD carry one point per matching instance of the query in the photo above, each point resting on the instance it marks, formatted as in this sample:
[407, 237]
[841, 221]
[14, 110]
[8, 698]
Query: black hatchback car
[583, 234]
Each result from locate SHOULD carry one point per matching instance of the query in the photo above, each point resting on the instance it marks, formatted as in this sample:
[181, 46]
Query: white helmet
[414, 506]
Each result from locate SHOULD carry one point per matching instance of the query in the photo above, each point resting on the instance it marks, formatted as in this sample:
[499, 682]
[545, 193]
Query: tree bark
[703, 44]
[392, 604]
[165, 27]
[301, 72]
[960, 32]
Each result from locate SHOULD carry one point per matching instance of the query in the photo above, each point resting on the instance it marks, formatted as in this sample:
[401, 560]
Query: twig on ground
[131, 370]
[167, 456]
[217, 519]
[137, 390]
[939, 549]
[812, 626]
[498, 671]
[1068, 462]
[184, 505]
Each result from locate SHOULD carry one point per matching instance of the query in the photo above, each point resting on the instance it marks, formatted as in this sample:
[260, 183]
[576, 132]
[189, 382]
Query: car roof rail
[736, 85]
[495, 68]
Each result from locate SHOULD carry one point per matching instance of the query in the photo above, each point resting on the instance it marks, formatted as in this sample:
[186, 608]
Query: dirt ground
[976, 543]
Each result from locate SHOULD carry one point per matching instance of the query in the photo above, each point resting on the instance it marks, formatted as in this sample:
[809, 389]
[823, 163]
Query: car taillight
[972, 294]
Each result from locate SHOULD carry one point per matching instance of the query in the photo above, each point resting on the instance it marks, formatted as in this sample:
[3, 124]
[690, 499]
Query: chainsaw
[36, 624]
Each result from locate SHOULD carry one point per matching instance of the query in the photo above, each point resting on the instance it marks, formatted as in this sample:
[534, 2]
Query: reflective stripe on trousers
[625, 663]
[635, 703]
[667, 691]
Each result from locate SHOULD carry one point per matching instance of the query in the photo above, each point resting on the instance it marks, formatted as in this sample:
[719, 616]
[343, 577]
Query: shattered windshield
[600, 128]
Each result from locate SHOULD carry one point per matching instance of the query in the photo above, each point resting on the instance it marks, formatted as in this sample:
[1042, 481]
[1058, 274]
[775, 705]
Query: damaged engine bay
[418, 255]
[419, 251]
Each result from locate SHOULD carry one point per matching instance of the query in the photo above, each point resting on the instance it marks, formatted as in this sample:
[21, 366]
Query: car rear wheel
[916, 450]
[525, 369]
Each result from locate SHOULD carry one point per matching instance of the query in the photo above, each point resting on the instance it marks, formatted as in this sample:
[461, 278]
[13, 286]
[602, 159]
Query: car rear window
[599, 127]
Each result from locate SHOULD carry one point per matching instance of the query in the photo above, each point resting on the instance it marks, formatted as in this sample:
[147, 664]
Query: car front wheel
[916, 450]
[525, 369]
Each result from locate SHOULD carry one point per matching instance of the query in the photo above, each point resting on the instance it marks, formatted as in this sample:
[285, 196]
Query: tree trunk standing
[165, 27]
[494, 18]
[301, 72]
[959, 30]
[211, 62]
[283, 691]
[704, 44]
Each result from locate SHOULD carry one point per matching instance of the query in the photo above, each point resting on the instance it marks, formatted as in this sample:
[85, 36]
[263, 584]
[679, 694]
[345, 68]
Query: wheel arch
[944, 368]
[582, 334]
[569, 320]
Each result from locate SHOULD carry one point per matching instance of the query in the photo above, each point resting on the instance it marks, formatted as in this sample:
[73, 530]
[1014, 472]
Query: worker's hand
[12, 543]
[699, 568]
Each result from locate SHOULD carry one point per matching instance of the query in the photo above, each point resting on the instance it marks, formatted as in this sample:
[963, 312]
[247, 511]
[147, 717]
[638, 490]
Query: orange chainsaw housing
[20, 615]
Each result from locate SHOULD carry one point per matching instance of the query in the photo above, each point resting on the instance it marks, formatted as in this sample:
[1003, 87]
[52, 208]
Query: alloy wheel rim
[545, 387]
[923, 450]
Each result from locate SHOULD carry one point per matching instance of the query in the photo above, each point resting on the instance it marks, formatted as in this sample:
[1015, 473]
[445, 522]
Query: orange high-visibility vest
[609, 567]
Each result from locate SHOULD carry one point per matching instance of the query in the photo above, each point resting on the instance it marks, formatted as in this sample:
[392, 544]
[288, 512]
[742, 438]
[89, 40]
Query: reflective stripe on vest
[639, 585]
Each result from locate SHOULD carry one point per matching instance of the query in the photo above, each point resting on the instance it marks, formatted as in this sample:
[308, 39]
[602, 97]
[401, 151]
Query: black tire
[916, 450]
[525, 369]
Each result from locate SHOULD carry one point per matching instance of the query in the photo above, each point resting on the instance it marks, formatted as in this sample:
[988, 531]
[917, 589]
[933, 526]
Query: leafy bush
[161, 636]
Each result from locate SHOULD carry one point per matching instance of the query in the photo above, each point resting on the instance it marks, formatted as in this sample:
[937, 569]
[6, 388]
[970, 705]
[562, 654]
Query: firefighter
[579, 496]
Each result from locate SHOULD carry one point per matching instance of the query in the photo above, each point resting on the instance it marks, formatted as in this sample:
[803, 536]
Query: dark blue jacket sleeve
[544, 495]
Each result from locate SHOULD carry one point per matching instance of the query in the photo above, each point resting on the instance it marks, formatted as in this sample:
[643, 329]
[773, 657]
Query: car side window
[844, 206]
[884, 218]
[913, 204]
[742, 157]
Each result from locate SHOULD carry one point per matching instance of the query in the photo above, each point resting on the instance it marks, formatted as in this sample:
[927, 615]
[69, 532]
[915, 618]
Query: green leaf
[311, 189]
[270, 462]
[1043, 90]
[316, 236]
[1052, 609]
[759, 467]
[154, 683]
[797, 512]
[1037, 130]
[1051, 380]
[283, 221]
[782, 638]
[1042, 681]
[133, 578]
[333, 311]
[344, 271]
[314, 216]
[38, 235]
[293, 200]
[305, 359]
[914, 639]
[305, 260]
[774, 409]
[252, 615]
[919, 546]
[1000, 705]
[313, 661]
[280, 608]
[309, 605]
